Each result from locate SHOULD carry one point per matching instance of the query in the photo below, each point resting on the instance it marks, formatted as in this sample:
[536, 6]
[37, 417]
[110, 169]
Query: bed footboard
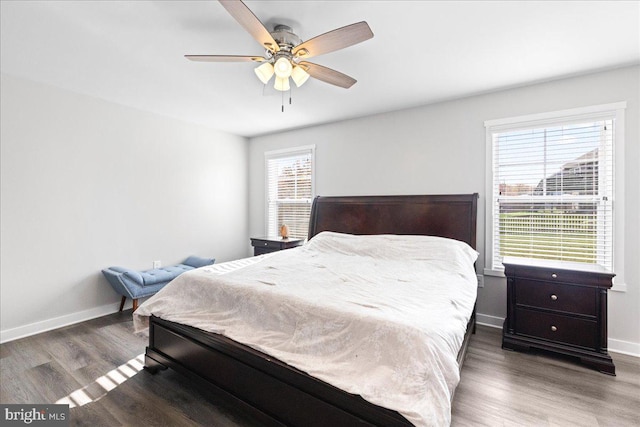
[265, 386]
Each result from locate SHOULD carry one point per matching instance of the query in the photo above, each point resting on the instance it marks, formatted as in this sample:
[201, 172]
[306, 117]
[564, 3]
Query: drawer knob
[553, 329]
[554, 275]
[266, 244]
[554, 297]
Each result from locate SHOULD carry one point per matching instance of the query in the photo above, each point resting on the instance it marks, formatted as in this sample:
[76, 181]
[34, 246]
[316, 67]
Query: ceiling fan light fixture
[299, 75]
[281, 84]
[283, 67]
[264, 72]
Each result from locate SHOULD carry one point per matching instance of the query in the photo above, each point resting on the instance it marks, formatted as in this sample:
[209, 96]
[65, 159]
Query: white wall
[440, 149]
[87, 184]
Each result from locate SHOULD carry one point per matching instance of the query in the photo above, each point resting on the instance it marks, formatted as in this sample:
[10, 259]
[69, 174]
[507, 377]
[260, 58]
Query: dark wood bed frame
[274, 392]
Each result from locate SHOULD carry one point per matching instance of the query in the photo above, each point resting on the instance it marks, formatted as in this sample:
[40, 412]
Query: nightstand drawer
[558, 328]
[553, 296]
[552, 275]
[269, 244]
[265, 245]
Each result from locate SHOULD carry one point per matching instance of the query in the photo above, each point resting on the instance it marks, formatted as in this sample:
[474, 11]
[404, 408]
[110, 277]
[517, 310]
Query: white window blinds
[552, 190]
[290, 190]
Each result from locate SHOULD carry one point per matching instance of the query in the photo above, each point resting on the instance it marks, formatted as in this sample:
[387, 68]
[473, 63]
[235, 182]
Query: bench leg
[135, 304]
[122, 303]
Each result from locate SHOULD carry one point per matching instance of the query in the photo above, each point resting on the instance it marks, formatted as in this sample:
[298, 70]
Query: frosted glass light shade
[282, 68]
[264, 72]
[299, 76]
[281, 84]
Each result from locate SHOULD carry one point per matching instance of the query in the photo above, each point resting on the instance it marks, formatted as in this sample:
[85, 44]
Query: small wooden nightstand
[560, 307]
[265, 245]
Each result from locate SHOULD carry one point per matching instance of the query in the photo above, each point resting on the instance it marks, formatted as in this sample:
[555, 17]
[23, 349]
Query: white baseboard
[614, 346]
[58, 322]
[624, 347]
[491, 321]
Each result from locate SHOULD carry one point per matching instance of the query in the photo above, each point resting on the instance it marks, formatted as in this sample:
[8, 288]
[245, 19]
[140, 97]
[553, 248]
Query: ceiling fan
[286, 54]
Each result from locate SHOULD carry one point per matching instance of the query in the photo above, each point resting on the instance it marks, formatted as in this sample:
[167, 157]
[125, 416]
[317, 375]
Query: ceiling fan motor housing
[285, 37]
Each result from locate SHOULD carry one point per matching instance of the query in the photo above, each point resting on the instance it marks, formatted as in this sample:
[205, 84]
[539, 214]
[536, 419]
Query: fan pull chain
[282, 99]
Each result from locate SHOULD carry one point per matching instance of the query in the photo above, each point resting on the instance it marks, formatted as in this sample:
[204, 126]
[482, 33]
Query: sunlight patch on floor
[104, 384]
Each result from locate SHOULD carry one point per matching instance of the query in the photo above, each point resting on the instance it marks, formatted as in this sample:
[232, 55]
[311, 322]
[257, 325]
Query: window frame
[615, 110]
[284, 153]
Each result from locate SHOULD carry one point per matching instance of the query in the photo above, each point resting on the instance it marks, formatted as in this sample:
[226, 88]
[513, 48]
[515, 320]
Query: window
[290, 190]
[550, 186]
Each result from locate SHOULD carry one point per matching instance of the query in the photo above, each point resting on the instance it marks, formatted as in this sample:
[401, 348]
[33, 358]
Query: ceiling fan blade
[328, 75]
[225, 58]
[251, 23]
[334, 40]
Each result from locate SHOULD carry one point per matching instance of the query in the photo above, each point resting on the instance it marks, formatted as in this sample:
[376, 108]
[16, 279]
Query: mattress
[379, 316]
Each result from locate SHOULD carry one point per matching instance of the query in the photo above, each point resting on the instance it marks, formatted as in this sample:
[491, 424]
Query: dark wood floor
[506, 388]
[94, 366]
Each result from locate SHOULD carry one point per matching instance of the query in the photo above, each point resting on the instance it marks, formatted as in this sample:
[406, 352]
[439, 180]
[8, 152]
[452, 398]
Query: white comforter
[379, 316]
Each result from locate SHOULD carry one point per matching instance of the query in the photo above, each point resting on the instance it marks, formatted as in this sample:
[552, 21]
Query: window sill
[618, 287]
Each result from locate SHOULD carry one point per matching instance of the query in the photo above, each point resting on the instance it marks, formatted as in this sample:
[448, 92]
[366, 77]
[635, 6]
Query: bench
[139, 284]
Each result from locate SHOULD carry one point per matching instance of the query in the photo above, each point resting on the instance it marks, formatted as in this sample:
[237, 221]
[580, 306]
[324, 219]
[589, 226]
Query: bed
[275, 392]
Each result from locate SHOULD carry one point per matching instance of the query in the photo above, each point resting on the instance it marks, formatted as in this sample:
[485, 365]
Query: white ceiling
[131, 53]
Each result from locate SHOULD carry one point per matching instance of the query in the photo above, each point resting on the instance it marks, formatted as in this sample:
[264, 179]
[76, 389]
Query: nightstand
[559, 307]
[265, 245]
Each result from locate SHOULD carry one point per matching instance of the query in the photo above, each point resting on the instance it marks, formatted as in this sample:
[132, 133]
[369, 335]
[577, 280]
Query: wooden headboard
[452, 216]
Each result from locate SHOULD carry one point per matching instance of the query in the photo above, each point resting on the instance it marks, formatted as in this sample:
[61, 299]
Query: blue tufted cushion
[159, 275]
[119, 269]
[197, 262]
[132, 275]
